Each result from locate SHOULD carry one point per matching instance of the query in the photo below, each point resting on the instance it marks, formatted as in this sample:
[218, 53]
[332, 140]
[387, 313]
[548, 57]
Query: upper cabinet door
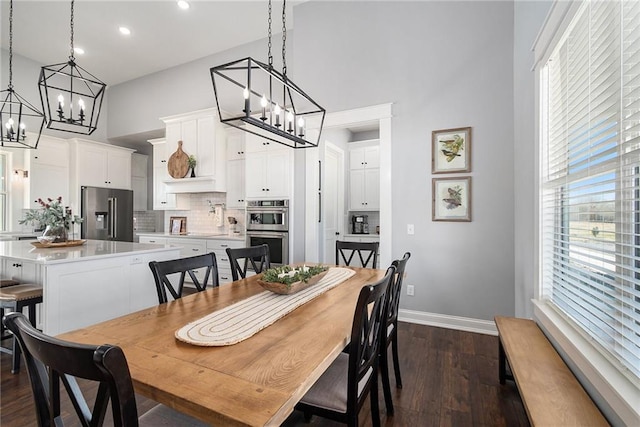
[206, 143]
[92, 166]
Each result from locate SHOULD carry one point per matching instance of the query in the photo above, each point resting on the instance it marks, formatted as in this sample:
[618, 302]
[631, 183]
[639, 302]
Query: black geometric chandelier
[255, 97]
[16, 114]
[71, 96]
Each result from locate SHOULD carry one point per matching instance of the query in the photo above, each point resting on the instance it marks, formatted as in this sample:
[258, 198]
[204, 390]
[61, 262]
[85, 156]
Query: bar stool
[15, 298]
[5, 283]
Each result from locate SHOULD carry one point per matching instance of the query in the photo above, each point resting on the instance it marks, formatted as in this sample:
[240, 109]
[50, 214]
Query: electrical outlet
[410, 290]
[410, 229]
[136, 260]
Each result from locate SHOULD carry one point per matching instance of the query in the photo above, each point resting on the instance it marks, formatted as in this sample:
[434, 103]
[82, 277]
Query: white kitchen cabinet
[364, 178]
[269, 169]
[139, 181]
[100, 165]
[364, 157]
[22, 271]
[161, 199]
[236, 184]
[204, 138]
[219, 247]
[48, 168]
[235, 144]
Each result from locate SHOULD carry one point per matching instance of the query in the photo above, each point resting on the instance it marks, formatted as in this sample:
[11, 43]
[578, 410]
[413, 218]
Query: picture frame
[451, 199]
[451, 150]
[178, 225]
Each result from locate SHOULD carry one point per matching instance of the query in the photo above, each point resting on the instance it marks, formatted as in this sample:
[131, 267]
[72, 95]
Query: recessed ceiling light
[78, 50]
[124, 30]
[183, 4]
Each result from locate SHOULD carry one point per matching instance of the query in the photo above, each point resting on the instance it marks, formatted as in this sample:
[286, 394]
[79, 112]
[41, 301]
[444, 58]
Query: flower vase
[193, 172]
[55, 234]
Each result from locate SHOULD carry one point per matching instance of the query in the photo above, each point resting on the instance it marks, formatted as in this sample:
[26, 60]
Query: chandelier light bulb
[263, 103]
[60, 101]
[276, 111]
[245, 93]
[10, 122]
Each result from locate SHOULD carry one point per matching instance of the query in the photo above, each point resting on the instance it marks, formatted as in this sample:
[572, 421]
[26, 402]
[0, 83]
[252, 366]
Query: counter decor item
[178, 164]
[55, 217]
[67, 244]
[178, 225]
[192, 164]
[288, 280]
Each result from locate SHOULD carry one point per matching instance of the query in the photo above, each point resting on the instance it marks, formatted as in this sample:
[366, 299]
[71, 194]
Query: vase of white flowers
[55, 217]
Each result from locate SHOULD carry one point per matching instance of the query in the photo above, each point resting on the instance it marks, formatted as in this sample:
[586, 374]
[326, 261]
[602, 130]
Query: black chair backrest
[50, 360]
[363, 249]
[257, 256]
[395, 289]
[366, 334]
[162, 269]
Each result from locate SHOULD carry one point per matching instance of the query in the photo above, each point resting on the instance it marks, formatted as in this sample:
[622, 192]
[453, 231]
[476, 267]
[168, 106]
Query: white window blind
[590, 177]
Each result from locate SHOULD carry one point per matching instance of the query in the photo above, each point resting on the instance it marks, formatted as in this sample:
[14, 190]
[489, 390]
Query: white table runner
[245, 318]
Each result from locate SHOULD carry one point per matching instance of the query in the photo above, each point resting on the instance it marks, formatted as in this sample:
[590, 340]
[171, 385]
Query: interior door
[333, 200]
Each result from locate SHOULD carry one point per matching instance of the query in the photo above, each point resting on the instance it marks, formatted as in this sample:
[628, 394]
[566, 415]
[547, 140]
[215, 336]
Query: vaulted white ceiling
[162, 35]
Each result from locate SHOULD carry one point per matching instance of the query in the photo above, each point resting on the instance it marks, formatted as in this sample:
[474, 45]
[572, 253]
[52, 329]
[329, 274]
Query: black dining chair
[391, 335]
[342, 389]
[363, 249]
[50, 361]
[257, 256]
[164, 273]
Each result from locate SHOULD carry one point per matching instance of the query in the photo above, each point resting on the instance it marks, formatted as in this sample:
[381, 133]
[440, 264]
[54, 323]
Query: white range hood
[204, 184]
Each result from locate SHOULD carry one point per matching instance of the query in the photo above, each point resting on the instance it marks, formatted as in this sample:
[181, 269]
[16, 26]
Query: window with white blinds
[590, 177]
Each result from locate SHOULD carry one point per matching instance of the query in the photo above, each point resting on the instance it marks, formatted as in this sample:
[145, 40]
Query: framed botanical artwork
[451, 150]
[451, 199]
[178, 225]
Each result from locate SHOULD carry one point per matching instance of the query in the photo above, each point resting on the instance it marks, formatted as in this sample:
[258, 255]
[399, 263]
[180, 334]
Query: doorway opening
[336, 187]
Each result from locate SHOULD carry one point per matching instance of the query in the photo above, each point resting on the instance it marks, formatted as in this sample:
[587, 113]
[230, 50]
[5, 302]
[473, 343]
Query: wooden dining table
[255, 382]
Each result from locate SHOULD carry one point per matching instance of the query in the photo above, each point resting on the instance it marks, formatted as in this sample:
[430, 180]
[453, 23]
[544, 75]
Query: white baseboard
[486, 327]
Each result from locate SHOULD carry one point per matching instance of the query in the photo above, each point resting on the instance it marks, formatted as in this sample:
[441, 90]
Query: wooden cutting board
[178, 164]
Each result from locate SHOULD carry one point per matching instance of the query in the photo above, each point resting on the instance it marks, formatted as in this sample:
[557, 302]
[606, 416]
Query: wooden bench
[551, 394]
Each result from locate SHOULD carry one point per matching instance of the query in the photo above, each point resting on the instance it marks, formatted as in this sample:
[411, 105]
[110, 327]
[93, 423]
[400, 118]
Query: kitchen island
[84, 285]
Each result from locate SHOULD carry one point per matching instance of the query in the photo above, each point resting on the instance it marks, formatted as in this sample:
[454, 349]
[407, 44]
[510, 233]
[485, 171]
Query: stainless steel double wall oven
[268, 223]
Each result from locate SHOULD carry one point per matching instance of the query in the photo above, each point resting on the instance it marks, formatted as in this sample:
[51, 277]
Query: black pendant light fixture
[16, 114]
[255, 97]
[71, 96]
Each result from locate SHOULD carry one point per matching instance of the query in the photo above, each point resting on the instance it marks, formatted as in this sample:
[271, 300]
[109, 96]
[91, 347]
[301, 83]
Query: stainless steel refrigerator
[107, 214]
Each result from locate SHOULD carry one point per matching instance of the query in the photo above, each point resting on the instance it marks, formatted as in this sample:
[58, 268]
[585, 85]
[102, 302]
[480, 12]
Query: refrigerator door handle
[112, 217]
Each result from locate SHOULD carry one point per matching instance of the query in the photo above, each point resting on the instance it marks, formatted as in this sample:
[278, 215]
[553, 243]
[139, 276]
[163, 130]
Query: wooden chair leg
[396, 360]
[386, 386]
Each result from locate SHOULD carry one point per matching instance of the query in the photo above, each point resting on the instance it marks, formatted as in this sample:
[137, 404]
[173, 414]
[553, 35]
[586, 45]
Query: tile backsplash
[201, 219]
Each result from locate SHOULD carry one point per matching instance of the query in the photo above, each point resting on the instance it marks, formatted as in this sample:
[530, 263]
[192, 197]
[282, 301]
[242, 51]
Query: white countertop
[221, 236]
[92, 249]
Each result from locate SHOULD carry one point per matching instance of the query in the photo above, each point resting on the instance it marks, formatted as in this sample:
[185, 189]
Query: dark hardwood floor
[450, 379]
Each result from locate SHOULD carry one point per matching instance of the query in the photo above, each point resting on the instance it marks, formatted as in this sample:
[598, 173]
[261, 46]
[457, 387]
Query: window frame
[614, 392]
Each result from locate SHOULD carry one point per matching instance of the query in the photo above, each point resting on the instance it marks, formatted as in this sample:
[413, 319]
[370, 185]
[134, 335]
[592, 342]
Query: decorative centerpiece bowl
[287, 280]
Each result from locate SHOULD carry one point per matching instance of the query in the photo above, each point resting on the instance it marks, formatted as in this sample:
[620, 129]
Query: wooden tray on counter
[67, 244]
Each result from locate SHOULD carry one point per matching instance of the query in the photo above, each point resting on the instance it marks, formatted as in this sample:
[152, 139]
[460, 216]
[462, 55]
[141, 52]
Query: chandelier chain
[10, 44]
[284, 37]
[270, 56]
[72, 51]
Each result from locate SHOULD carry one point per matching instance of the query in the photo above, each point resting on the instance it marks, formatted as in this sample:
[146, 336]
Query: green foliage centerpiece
[288, 280]
[55, 217]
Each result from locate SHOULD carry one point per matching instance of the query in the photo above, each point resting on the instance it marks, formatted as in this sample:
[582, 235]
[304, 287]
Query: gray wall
[528, 17]
[137, 105]
[443, 65]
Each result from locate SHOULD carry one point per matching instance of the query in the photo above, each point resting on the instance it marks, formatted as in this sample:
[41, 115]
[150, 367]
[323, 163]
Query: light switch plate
[410, 229]
[410, 290]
